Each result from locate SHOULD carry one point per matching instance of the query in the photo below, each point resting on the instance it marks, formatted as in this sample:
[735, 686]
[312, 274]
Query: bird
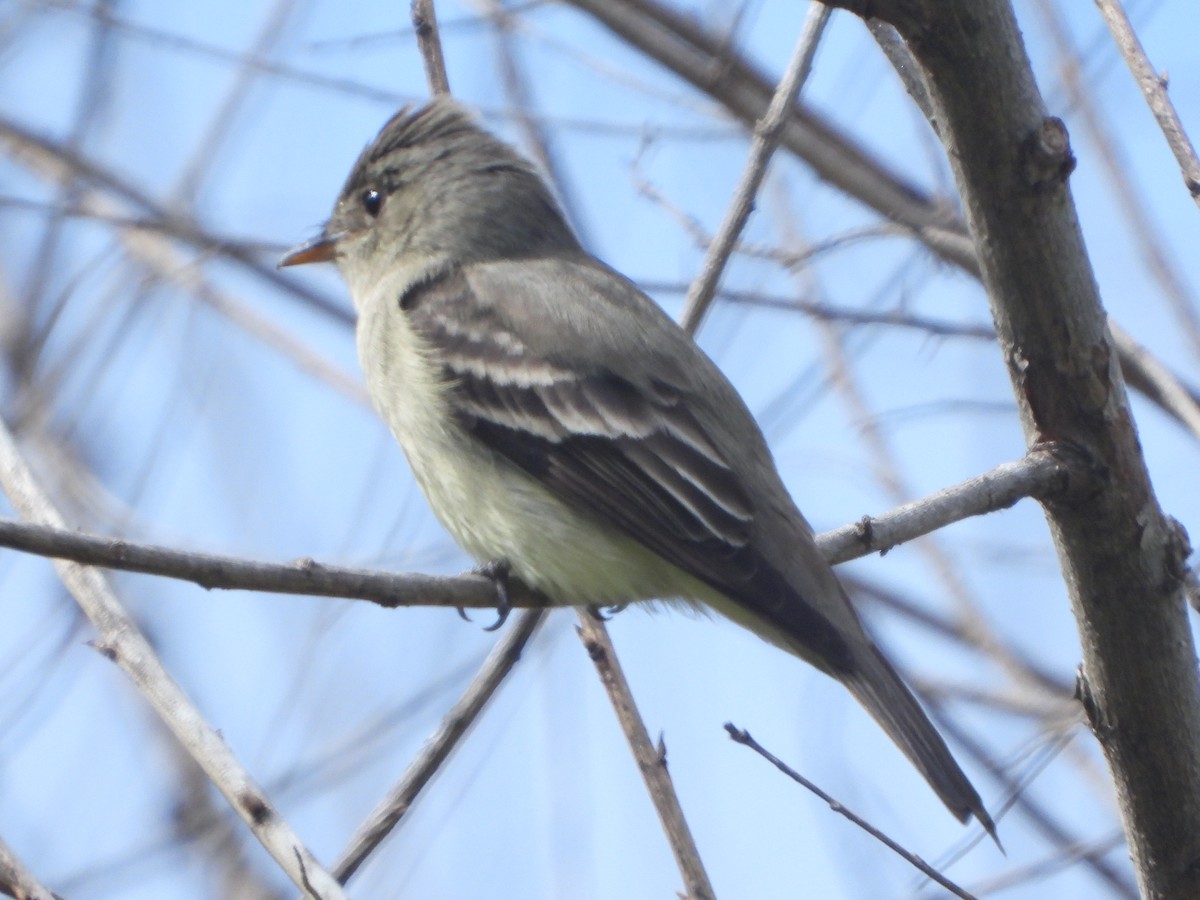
[565, 430]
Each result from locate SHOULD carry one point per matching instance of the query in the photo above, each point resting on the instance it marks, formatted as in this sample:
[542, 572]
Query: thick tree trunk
[1121, 556]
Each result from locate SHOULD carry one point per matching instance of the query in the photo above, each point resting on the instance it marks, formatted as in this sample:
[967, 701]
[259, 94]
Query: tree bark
[1122, 558]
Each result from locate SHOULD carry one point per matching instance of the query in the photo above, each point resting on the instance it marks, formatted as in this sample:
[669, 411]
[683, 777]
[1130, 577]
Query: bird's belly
[496, 512]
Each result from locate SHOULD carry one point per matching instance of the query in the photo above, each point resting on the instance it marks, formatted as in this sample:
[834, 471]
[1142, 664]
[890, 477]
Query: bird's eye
[372, 201]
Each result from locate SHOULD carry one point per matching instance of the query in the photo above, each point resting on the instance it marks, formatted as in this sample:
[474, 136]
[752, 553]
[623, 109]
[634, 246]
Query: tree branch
[121, 641]
[424, 19]
[743, 737]
[17, 881]
[767, 133]
[1044, 473]
[440, 745]
[1154, 89]
[1122, 558]
[651, 761]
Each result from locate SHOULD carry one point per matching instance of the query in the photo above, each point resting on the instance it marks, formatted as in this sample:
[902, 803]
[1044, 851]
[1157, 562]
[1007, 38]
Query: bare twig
[441, 743]
[206, 148]
[1154, 89]
[201, 822]
[1063, 857]
[424, 19]
[651, 761]
[787, 257]
[1042, 818]
[766, 138]
[54, 162]
[536, 136]
[121, 641]
[892, 318]
[1145, 371]
[304, 577]
[1151, 242]
[1041, 474]
[17, 881]
[902, 62]
[741, 736]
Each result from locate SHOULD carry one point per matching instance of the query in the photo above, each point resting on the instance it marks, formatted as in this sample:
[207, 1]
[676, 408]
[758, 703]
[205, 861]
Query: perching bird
[562, 426]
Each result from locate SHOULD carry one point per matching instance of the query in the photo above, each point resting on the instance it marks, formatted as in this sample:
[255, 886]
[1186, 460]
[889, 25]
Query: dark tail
[877, 686]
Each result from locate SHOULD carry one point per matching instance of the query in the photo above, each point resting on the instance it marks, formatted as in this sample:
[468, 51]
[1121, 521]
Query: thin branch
[1043, 473]
[17, 881]
[201, 824]
[206, 149]
[424, 19]
[828, 312]
[903, 64]
[741, 736]
[440, 745]
[56, 163]
[1154, 89]
[786, 257]
[519, 106]
[1151, 242]
[1039, 816]
[305, 576]
[1063, 858]
[767, 133]
[1146, 372]
[121, 641]
[651, 761]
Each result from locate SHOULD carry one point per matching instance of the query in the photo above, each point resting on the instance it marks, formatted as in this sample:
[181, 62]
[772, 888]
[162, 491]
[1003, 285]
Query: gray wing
[631, 453]
[626, 447]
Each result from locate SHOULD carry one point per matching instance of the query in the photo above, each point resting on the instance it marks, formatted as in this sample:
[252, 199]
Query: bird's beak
[322, 248]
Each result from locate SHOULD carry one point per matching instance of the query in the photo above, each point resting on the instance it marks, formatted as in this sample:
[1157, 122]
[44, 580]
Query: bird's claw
[497, 572]
[605, 613]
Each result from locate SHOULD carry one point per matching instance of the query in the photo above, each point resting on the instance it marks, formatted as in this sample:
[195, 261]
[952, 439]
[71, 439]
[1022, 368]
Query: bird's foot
[605, 613]
[497, 572]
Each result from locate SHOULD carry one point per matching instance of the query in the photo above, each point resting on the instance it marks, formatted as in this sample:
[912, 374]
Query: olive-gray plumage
[560, 422]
